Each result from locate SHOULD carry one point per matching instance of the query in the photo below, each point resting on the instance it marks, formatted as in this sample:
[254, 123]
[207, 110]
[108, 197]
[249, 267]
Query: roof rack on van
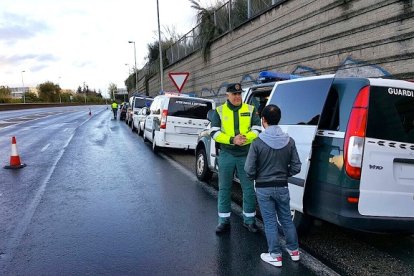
[172, 93]
[268, 76]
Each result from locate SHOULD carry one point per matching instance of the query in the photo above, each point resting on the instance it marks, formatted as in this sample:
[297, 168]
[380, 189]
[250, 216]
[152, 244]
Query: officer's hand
[239, 140]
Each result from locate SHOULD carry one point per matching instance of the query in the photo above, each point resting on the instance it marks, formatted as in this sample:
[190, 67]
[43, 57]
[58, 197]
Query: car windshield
[139, 103]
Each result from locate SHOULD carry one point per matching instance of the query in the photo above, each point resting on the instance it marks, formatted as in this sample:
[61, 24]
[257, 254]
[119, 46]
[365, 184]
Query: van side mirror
[210, 114]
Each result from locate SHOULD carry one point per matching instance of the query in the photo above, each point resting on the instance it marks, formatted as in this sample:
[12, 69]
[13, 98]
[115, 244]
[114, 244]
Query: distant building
[17, 92]
[121, 93]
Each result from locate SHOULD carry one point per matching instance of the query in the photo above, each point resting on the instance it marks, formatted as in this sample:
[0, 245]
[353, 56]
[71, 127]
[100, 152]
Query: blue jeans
[274, 205]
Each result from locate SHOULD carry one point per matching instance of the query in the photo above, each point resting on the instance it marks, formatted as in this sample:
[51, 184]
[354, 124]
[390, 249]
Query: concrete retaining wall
[306, 37]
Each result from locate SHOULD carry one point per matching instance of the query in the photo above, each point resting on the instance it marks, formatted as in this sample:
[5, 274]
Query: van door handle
[404, 160]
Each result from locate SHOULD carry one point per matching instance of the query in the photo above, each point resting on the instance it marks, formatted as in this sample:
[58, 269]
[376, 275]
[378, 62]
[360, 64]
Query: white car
[135, 105]
[138, 120]
[176, 120]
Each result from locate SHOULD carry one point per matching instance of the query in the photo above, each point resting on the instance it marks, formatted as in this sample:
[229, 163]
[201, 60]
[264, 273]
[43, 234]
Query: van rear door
[387, 174]
[187, 117]
[301, 102]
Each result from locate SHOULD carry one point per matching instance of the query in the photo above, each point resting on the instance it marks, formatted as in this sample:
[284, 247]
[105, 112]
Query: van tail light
[351, 199]
[355, 134]
[164, 115]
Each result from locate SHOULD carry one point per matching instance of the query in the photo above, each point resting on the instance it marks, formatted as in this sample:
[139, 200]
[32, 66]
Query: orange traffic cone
[14, 158]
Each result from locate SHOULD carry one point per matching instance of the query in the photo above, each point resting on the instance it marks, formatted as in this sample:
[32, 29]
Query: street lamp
[136, 74]
[60, 96]
[24, 90]
[159, 46]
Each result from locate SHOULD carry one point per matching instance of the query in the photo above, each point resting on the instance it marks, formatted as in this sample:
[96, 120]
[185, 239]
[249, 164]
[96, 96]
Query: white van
[176, 120]
[355, 138]
[135, 105]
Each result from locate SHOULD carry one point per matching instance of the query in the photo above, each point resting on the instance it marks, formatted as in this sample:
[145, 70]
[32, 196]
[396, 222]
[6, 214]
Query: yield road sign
[179, 79]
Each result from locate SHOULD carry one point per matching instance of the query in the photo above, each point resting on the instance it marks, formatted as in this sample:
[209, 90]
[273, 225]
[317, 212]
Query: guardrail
[4, 107]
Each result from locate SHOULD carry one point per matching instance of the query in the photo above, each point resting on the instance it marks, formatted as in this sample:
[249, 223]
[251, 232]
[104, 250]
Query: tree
[112, 89]
[207, 28]
[66, 97]
[31, 97]
[49, 92]
[5, 94]
[130, 82]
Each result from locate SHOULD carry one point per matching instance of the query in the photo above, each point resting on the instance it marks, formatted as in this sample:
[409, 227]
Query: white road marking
[45, 147]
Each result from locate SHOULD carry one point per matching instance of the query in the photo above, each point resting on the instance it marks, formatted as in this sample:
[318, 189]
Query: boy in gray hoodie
[272, 158]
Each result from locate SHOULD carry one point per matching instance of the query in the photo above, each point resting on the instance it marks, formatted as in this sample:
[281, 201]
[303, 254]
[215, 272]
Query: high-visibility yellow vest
[227, 130]
[114, 105]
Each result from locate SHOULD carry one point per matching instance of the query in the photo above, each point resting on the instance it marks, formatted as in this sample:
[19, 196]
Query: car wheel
[139, 130]
[203, 172]
[154, 144]
[133, 127]
[302, 222]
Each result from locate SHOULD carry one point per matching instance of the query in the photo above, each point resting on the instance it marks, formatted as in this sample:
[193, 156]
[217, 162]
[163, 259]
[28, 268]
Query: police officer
[234, 126]
[114, 108]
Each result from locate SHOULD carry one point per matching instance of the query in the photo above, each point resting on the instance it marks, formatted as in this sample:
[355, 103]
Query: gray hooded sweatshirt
[272, 158]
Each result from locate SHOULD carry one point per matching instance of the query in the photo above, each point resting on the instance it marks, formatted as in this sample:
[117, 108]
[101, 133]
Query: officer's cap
[234, 88]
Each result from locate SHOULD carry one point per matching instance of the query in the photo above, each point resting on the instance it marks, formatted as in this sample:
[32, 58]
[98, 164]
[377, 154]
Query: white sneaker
[270, 260]
[294, 255]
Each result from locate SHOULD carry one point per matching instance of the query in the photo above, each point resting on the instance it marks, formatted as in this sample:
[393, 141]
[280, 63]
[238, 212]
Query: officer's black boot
[222, 228]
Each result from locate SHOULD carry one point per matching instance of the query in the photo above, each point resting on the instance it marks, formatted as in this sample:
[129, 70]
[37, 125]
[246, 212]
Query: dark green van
[355, 138]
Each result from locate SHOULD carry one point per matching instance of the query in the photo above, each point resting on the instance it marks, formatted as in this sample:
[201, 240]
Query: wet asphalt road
[94, 199]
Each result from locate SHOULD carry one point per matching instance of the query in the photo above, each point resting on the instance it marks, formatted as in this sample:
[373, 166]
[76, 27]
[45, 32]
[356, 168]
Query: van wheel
[154, 144]
[133, 127]
[203, 172]
[139, 131]
[302, 222]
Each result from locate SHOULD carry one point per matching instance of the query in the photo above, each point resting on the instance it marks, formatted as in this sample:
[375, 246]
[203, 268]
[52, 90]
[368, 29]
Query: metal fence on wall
[227, 17]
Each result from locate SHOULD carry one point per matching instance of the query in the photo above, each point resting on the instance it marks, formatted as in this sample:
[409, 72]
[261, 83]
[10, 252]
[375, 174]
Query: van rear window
[391, 114]
[189, 108]
[301, 103]
[140, 103]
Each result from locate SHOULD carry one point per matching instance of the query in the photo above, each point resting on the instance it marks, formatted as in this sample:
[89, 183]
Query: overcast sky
[70, 42]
